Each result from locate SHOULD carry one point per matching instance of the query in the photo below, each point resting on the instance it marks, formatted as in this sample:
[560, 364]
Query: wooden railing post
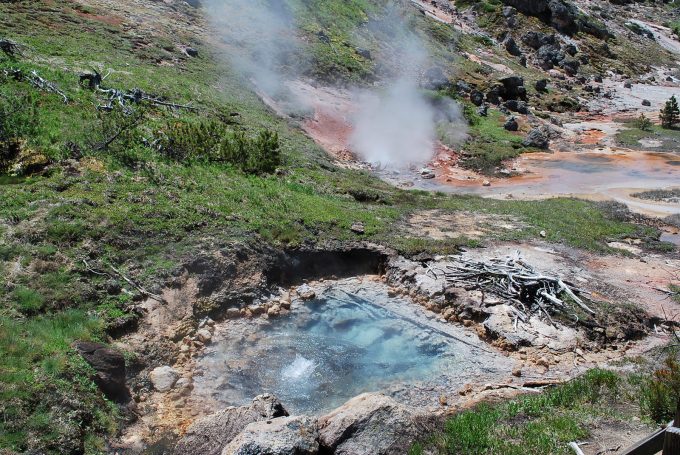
[671, 442]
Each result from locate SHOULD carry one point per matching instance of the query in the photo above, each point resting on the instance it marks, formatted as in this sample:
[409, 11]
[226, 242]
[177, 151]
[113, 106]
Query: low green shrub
[211, 141]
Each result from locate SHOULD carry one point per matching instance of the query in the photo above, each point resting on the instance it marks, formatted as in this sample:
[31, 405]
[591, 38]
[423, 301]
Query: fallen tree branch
[137, 286]
[36, 81]
[577, 450]
[525, 290]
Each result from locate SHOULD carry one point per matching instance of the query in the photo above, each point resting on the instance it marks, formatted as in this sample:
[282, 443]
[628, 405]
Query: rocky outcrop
[209, 435]
[110, 369]
[282, 436]
[564, 16]
[372, 424]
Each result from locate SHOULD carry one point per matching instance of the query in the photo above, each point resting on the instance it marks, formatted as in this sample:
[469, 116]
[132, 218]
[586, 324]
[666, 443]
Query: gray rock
[483, 110]
[570, 66]
[163, 378]
[537, 39]
[209, 435]
[521, 107]
[476, 97]
[191, 52]
[537, 138]
[281, 436]
[372, 423]
[646, 103]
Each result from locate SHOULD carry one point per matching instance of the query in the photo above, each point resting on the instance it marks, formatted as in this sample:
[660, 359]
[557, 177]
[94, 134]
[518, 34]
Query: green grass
[630, 137]
[537, 424]
[490, 144]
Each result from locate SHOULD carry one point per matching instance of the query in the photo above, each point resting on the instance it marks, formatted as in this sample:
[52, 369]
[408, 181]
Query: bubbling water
[338, 346]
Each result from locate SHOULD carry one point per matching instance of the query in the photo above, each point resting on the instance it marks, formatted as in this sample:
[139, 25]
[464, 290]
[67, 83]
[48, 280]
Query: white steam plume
[397, 127]
[262, 39]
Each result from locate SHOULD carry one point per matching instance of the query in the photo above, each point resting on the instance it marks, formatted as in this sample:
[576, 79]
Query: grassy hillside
[80, 183]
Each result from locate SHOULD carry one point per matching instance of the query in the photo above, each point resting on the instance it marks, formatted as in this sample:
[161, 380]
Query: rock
[163, 378]
[537, 39]
[511, 124]
[109, 366]
[443, 400]
[358, 227]
[210, 434]
[541, 85]
[365, 53]
[542, 234]
[570, 66]
[521, 107]
[509, 11]
[204, 336]
[628, 85]
[523, 61]
[512, 47]
[463, 87]
[476, 97]
[571, 49]
[184, 384]
[548, 56]
[274, 311]
[483, 110]
[517, 372]
[493, 95]
[646, 103]
[543, 362]
[427, 173]
[486, 183]
[513, 87]
[191, 52]
[281, 436]
[233, 313]
[372, 423]
[305, 292]
[598, 79]
[537, 138]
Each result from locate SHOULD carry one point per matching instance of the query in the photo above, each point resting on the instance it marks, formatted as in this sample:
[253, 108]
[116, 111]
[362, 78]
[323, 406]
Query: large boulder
[513, 88]
[537, 138]
[561, 14]
[109, 366]
[210, 434]
[372, 423]
[281, 436]
[163, 378]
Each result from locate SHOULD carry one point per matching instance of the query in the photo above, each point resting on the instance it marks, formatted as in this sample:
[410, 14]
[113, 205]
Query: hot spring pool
[351, 339]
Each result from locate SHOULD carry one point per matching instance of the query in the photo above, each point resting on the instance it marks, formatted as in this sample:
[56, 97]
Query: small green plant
[670, 114]
[660, 393]
[643, 123]
[211, 141]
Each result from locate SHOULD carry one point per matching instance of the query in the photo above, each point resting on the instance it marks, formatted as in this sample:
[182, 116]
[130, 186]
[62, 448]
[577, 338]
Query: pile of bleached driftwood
[527, 291]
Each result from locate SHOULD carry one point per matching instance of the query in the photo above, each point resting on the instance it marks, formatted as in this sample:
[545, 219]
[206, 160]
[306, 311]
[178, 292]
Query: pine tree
[670, 114]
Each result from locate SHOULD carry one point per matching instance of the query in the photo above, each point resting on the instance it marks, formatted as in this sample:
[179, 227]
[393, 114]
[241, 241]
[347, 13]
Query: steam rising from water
[394, 126]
